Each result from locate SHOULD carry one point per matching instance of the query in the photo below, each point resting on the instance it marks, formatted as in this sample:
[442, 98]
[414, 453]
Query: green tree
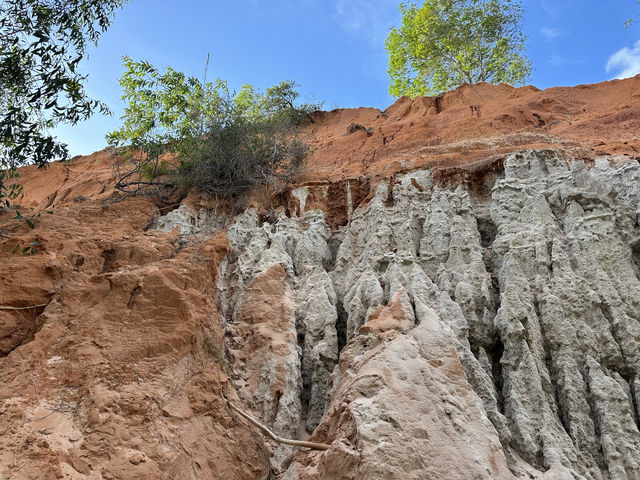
[447, 43]
[252, 139]
[222, 141]
[279, 100]
[41, 44]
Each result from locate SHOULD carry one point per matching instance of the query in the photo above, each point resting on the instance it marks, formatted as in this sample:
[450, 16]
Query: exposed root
[3, 307]
[286, 441]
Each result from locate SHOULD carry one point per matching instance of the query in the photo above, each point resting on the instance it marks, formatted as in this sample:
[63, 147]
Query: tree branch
[123, 186]
[296, 110]
[295, 443]
[3, 307]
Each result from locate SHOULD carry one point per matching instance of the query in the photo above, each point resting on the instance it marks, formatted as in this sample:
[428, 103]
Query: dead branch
[141, 185]
[3, 307]
[34, 386]
[54, 410]
[286, 441]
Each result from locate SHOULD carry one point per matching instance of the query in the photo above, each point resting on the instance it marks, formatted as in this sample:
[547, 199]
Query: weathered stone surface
[518, 311]
[118, 378]
[415, 416]
[283, 329]
[540, 302]
[478, 320]
[569, 303]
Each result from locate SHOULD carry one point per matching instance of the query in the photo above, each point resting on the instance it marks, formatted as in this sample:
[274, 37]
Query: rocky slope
[465, 309]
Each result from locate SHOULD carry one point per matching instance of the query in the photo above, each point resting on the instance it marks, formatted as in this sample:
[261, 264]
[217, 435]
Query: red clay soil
[115, 373]
[468, 128]
[475, 124]
[74, 181]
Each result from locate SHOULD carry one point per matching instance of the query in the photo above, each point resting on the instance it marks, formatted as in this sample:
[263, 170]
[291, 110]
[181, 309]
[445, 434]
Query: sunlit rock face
[490, 333]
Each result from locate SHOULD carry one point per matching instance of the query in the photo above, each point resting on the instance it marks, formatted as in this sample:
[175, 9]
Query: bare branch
[3, 307]
[286, 441]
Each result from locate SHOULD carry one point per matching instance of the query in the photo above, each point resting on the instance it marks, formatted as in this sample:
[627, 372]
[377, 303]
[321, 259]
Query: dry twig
[51, 412]
[4, 307]
[34, 386]
[286, 441]
[135, 369]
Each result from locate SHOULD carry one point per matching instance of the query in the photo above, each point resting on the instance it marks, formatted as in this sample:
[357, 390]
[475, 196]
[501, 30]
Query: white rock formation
[493, 336]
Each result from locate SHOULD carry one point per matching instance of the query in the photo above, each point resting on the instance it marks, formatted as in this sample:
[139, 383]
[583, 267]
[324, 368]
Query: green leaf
[42, 42]
[223, 141]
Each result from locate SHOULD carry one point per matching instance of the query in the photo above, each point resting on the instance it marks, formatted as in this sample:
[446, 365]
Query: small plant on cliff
[218, 355]
[163, 115]
[251, 140]
[220, 141]
[447, 43]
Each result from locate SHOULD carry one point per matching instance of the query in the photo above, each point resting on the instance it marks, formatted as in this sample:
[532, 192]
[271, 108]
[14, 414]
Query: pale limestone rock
[620, 439]
[317, 318]
[569, 292]
[414, 414]
[300, 246]
[517, 353]
[566, 259]
[203, 222]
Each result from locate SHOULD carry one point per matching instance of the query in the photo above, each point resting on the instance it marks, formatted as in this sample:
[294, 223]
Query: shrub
[239, 151]
[223, 142]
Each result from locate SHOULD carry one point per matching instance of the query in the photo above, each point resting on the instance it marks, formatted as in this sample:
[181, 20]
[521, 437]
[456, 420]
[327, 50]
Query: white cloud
[625, 61]
[556, 60]
[367, 19]
[551, 34]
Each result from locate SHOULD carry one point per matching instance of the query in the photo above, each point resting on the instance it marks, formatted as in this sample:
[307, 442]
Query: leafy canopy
[41, 44]
[165, 112]
[447, 43]
[222, 141]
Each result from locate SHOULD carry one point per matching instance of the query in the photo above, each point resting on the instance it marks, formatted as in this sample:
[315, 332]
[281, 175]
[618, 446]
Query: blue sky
[333, 48]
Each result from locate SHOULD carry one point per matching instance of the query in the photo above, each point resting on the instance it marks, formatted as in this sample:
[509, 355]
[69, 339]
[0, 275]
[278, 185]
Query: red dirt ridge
[476, 124]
